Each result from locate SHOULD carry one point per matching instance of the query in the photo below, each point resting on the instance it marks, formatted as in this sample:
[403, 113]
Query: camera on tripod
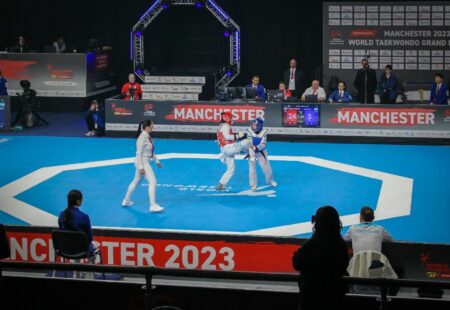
[28, 95]
[26, 115]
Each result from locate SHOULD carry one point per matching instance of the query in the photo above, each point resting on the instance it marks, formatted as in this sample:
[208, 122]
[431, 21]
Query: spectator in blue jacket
[387, 86]
[3, 85]
[95, 120]
[340, 95]
[73, 219]
[439, 90]
[259, 89]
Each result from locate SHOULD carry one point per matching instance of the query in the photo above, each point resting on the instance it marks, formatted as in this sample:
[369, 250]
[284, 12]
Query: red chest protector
[221, 138]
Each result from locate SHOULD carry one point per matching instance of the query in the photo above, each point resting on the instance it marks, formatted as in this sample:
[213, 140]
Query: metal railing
[149, 272]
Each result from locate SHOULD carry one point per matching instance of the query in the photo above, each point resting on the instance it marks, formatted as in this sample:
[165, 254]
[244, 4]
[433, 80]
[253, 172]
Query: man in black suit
[365, 83]
[293, 77]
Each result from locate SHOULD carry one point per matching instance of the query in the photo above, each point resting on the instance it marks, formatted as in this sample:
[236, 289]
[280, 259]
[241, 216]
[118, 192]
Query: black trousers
[361, 99]
[385, 99]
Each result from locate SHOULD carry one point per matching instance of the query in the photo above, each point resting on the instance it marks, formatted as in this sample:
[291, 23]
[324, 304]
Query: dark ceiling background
[272, 32]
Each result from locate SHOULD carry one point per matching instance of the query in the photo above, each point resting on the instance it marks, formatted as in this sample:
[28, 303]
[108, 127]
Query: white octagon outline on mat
[394, 200]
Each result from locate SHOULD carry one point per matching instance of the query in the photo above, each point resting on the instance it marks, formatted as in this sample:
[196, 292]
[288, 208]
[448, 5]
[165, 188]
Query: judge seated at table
[21, 46]
[286, 92]
[260, 90]
[315, 90]
[340, 95]
[438, 94]
[131, 90]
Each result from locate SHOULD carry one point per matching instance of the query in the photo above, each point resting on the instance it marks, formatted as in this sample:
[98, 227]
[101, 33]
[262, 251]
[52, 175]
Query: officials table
[400, 120]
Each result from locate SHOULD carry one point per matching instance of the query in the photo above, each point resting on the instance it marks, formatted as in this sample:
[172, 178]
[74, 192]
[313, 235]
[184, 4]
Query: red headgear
[226, 117]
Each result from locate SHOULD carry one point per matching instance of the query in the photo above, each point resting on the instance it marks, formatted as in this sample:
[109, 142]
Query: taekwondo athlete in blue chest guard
[258, 153]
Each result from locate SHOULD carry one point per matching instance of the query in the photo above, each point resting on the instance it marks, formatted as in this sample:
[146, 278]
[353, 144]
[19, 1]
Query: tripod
[26, 113]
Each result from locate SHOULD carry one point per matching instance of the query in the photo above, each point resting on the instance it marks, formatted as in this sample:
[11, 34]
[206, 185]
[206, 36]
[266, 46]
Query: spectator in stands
[95, 120]
[365, 83]
[60, 45]
[131, 90]
[439, 90]
[22, 45]
[73, 219]
[340, 95]
[315, 90]
[260, 90]
[367, 236]
[286, 92]
[322, 261]
[293, 78]
[3, 85]
[387, 86]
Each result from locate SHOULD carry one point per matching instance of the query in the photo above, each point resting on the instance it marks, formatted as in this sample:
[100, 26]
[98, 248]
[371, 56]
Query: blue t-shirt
[3, 89]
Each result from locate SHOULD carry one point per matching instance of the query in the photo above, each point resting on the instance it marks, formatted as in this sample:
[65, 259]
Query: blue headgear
[259, 124]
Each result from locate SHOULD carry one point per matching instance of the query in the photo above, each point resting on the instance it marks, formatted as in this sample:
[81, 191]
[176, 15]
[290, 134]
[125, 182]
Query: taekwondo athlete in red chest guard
[230, 144]
[258, 153]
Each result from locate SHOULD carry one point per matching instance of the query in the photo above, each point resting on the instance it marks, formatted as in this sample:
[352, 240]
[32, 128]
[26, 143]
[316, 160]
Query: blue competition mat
[409, 186]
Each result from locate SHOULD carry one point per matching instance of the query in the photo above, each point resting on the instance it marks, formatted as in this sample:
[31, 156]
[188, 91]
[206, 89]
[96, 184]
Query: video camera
[28, 95]
[27, 115]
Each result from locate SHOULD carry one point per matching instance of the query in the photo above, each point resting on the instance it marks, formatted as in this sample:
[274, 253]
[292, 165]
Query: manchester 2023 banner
[412, 36]
[403, 121]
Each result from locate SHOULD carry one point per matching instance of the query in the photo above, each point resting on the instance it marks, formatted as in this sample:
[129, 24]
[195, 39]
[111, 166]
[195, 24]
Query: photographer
[95, 120]
[132, 89]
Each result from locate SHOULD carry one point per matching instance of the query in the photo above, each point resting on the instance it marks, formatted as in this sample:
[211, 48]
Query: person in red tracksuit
[131, 90]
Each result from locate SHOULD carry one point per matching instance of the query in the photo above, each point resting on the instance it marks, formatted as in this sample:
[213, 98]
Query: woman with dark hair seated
[322, 261]
[73, 219]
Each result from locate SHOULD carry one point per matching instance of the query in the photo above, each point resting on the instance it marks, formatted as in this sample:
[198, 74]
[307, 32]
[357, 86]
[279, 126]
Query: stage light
[200, 4]
[139, 69]
[230, 70]
[139, 30]
[229, 31]
[165, 4]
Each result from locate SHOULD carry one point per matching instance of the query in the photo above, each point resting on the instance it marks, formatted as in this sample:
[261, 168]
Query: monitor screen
[301, 115]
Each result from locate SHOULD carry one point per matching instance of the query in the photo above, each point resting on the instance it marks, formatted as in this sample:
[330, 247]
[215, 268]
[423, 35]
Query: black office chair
[73, 245]
[5, 251]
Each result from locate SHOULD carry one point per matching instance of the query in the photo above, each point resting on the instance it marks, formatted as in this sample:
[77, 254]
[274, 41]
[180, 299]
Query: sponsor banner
[165, 250]
[412, 36]
[190, 113]
[293, 131]
[403, 121]
[218, 252]
[172, 88]
[175, 79]
[168, 96]
[57, 75]
[395, 117]
[99, 73]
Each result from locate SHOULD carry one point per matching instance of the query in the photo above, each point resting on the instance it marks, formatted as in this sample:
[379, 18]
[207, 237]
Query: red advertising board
[218, 251]
[264, 256]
